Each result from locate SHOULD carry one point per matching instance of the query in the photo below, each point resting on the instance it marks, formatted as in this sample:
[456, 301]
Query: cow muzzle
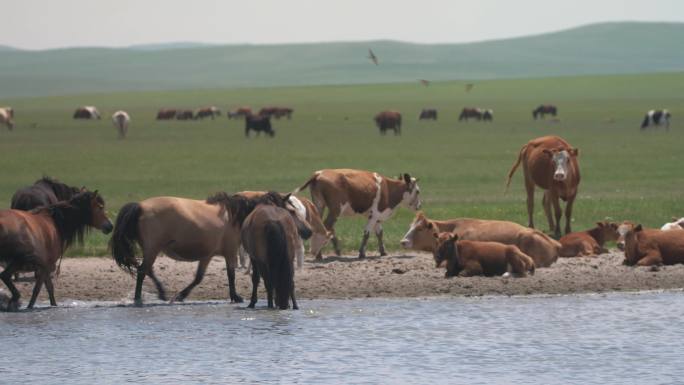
[405, 243]
[559, 176]
[621, 246]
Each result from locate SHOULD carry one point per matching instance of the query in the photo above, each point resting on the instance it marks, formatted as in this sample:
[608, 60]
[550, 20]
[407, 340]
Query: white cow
[121, 121]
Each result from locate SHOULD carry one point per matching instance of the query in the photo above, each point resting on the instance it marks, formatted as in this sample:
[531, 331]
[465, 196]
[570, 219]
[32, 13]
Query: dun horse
[270, 235]
[36, 240]
[185, 230]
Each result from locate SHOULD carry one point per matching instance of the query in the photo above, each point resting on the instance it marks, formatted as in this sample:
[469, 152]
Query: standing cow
[388, 120]
[488, 115]
[259, 124]
[185, 115]
[121, 120]
[87, 112]
[7, 117]
[358, 192]
[428, 114]
[542, 110]
[657, 118]
[207, 112]
[550, 163]
[166, 114]
[239, 113]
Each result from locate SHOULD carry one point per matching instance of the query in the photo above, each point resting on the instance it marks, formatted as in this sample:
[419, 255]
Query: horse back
[28, 238]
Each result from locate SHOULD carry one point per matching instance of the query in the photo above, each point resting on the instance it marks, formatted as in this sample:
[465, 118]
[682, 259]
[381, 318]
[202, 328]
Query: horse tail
[279, 263]
[515, 165]
[125, 236]
[307, 183]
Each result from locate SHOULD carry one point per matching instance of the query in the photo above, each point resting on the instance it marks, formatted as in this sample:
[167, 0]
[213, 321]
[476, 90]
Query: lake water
[583, 339]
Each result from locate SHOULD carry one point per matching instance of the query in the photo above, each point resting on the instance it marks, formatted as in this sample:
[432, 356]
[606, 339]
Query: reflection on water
[591, 339]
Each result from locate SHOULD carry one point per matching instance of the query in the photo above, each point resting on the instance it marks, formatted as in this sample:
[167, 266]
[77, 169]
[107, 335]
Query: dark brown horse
[36, 240]
[544, 109]
[45, 191]
[185, 230]
[270, 235]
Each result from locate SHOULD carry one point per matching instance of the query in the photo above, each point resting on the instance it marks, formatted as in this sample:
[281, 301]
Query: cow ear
[453, 236]
[638, 228]
[601, 224]
[574, 151]
[407, 178]
[286, 197]
[430, 225]
[547, 152]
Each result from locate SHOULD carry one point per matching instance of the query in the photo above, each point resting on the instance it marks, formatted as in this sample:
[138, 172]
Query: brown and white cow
[471, 258]
[589, 243]
[648, 247]
[388, 120]
[166, 114]
[550, 162]
[358, 192]
[121, 120]
[6, 117]
[204, 112]
[543, 250]
[470, 112]
[87, 112]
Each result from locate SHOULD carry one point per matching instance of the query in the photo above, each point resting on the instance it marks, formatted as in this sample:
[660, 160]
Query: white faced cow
[357, 192]
[121, 120]
[656, 118]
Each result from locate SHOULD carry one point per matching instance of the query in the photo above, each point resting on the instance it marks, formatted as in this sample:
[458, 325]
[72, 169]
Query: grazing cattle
[7, 118]
[470, 113]
[239, 112]
[357, 192]
[167, 114]
[259, 124]
[542, 110]
[656, 118]
[550, 163]
[87, 112]
[276, 112]
[207, 112]
[428, 113]
[388, 120]
[121, 121]
[270, 235]
[589, 243]
[9, 110]
[185, 115]
[543, 250]
[646, 247]
[676, 224]
[471, 258]
[488, 115]
[306, 211]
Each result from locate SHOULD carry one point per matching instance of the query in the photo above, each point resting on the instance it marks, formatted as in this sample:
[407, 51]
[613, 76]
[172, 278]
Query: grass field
[626, 174]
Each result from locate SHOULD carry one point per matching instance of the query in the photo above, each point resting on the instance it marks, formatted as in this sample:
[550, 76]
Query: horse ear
[407, 178]
[574, 151]
[95, 193]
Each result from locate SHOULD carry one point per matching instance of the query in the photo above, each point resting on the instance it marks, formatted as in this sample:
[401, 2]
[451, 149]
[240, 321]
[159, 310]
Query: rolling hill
[609, 48]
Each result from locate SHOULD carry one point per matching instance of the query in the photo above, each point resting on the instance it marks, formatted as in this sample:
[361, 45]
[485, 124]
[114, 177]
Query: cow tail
[280, 266]
[125, 236]
[307, 183]
[515, 166]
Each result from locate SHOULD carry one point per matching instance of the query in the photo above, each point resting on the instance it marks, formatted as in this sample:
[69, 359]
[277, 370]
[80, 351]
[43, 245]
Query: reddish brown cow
[550, 163]
[166, 114]
[653, 247]
[358, 192]
[543, 250]
[388, 120]
[589, 243]
[205, 112]
[469, 258]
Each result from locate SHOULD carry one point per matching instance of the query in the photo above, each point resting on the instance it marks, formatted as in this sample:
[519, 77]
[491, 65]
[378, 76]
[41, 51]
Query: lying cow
[644, 247]
[470, 258]
[259, 124]
[589, 243]
[656, 118]
[358, 192]
[543, 250]
[676, 224]
[87, 112]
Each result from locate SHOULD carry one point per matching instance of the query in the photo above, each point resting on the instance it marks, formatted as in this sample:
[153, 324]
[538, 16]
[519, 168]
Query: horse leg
[6, 277]
[255, 285]
[546, 202]
[329, 223]
[161, 293]
[230, 270]
[381, 244]
[138, 285]
[292, 295]
[568, 213]
[50, 289]
[36, 288]
[268, 282]
[201, 269]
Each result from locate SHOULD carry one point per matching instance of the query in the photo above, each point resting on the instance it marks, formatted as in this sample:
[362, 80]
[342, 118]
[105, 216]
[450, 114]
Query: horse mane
[62, 191]
[70, 217]
[239, 206]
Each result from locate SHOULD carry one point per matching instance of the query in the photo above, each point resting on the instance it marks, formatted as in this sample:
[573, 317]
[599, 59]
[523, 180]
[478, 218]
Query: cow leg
[557, 213]
[546, 202]
[201, 269]
[529, 186]
[329, 223]
[568, 214]
[381, 244]
[6, 277]
[372, 222]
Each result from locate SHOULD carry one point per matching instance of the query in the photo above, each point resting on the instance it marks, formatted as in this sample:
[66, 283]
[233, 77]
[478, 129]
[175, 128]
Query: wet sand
[397, 275]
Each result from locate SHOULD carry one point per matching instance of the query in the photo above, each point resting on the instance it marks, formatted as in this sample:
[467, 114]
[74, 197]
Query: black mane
[62, 191]
[71, 217]
[239, 206]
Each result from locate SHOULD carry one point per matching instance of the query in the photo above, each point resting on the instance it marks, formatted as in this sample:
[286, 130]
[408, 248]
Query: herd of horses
[270, 227]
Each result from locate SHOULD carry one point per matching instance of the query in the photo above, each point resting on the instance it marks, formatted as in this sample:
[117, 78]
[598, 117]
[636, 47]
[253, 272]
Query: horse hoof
[237, 299]
[383, 254]
[362, 256]
[138, 303]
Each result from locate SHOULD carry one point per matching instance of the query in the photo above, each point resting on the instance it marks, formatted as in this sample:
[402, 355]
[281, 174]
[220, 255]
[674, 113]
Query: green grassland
[626, 174]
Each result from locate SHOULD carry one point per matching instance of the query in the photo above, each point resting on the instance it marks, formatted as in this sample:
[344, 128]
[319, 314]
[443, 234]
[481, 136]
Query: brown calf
[469, 258]
[388, 120]
[648, 247]
[543, 250]
[589, 243]
[358, 192]
[550, 163]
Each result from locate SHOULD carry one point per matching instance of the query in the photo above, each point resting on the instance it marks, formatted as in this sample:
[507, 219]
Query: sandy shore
[399, 275]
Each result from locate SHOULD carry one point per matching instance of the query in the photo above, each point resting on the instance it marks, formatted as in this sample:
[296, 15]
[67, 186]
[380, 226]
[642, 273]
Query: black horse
[259, 124]
[45, 191]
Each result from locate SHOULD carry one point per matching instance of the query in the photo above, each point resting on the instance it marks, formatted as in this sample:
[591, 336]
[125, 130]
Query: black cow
[259, 124]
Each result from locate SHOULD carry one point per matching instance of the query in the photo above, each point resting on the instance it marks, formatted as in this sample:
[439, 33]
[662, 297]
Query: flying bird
[372, 56]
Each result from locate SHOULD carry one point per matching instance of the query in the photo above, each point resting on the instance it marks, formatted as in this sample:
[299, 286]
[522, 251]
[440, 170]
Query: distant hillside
[610, 48]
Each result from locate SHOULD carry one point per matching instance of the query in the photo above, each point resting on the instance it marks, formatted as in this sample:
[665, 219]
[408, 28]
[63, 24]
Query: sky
[43, 24]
